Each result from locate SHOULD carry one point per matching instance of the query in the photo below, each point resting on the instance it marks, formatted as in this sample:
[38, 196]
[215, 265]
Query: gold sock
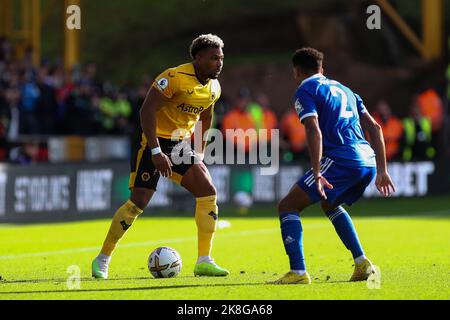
[206, 215]
[122, 220]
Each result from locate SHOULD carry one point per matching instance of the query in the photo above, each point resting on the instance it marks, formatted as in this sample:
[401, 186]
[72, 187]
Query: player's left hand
[321, 184]
[384, 184]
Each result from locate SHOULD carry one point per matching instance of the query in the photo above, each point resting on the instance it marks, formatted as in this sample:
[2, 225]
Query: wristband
[156, 151]
[201, 156]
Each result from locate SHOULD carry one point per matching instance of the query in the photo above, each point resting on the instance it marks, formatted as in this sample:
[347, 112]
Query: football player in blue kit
[343, 163]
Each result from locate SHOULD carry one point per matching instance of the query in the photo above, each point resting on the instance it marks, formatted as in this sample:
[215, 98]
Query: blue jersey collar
[316, 76]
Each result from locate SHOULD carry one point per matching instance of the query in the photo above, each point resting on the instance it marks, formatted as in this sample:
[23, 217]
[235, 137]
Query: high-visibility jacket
[294, 130]
[263, 118]
[409, 125]
[392, 132]
[431, 106]
[240, 119]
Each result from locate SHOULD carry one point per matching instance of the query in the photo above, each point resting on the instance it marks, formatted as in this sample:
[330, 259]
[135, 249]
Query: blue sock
[346, 230]
[291, 231]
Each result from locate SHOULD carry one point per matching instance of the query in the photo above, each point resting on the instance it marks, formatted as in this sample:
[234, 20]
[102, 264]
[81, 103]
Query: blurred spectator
[63, 93]
[25, 154]
[221, 108]
[50, 100]
[30, 95]
[78, 114]
[89, 76]
[294, 132]
[9, 114]
[46, 105]
[392, 129]
[239, 118]
[418, 139]
[96, 118]
[262, 115]
[116, 111]
[137, 103]
[431, 106]
[5, 116]
[448, 82]
[448, 75]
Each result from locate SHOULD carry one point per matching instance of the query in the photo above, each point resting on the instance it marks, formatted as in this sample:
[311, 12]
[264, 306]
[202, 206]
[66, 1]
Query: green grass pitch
[408, 239]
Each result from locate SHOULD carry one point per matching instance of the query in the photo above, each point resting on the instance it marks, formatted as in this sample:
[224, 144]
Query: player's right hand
[321, 184]
[384, 184]
[163, 164]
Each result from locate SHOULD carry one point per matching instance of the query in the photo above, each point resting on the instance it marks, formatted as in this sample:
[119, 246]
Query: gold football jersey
[187, 99]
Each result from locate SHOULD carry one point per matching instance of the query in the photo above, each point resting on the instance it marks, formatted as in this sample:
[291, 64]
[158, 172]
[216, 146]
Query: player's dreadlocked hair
[308, 59]
[205, 41]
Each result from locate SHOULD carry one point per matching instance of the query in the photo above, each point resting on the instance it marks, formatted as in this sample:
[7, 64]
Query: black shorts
[143, 173]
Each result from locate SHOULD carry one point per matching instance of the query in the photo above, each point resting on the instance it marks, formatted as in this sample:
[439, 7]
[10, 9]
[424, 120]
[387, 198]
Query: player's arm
[152, 103]
[314, 140]
[383, 181]
[206, 118]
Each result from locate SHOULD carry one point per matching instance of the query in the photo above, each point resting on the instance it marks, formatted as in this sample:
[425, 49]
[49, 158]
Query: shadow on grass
[82, 279]
[63, 280]
[181, 286]
[160, 287]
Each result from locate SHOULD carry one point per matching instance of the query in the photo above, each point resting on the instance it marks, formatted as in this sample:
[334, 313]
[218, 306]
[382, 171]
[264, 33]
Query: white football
[164, 262]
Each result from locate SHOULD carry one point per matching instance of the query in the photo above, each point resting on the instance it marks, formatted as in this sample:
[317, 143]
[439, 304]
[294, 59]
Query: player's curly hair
[205, 41]
[308, 59]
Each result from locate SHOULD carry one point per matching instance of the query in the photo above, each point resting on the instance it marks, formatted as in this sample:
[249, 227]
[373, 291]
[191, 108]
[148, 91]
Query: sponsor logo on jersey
[190, 109]
[298, 106]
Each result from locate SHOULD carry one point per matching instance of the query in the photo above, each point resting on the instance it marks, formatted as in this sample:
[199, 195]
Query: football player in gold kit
[177, 100]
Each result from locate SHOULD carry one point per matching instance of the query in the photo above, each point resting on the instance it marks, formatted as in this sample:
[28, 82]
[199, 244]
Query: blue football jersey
[338, 110]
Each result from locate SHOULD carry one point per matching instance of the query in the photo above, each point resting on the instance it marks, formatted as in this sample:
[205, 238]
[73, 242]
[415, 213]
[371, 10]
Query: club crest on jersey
[162, 83]
[145, 176]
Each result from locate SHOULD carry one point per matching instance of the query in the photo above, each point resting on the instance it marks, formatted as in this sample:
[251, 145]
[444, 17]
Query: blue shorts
[348, 183]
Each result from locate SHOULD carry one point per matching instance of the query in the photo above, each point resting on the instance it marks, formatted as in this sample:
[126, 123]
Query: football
[164, 262]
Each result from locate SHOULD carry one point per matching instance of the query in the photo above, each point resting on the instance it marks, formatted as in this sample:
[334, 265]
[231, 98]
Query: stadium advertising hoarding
[57, 192]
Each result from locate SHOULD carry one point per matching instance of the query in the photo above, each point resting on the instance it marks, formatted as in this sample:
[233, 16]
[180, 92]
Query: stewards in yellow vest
[417, 135]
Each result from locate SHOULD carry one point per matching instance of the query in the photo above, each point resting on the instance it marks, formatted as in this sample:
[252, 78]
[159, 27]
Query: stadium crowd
[414, 137]
[47, 100]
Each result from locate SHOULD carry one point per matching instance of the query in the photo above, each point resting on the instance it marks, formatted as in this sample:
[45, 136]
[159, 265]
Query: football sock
[292, 233]
[122, 220]
[346, 230]
[299, 272]
[104, 258]
[360, 259]
[206, 215]
[202, 259]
